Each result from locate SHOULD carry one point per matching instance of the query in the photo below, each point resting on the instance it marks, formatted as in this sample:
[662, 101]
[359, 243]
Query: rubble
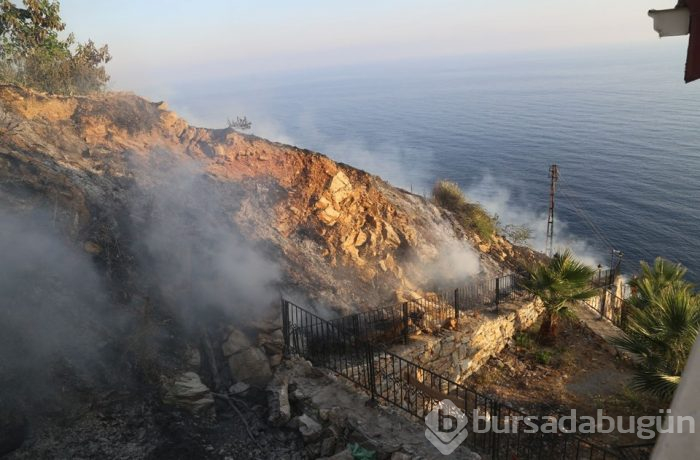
[278, 401]
[309, 428]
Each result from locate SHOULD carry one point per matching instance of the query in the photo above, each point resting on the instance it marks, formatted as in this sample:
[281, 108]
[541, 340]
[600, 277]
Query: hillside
[133, 241]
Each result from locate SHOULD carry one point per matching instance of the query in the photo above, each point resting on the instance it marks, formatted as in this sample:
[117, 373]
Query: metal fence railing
[324, 344]
[431, 312]
[637, 451]
[491, 292]
[603, 278]
[344, 349]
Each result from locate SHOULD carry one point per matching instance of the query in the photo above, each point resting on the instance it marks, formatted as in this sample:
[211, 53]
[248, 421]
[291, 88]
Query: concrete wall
[609, 302]
[460, 353]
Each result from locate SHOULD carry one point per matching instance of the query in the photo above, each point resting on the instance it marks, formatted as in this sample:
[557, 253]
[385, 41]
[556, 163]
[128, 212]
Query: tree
[662, 335]
[653, 280]
[663, 325]
[557, 284]
[33, 54]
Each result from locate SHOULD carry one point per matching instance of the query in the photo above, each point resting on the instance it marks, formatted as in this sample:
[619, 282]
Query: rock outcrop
[342, 237]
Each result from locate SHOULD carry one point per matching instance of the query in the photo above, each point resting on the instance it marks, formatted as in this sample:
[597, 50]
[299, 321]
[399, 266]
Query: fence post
[495, 415]
[370, 372]
[285, 327]
[404, 314]
[498, 292]
[457, 307]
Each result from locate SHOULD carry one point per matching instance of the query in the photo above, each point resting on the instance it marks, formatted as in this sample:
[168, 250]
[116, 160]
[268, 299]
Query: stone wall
[480, 336]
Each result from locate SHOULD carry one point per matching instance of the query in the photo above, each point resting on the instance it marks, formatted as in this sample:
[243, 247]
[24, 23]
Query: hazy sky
[186, 39]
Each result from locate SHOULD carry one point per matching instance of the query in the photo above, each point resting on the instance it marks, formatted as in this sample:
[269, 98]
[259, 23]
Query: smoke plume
[191, 245]
[53, 307]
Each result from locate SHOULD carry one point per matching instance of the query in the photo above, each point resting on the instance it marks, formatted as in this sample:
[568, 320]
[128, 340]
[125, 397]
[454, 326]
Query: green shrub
[543, 357]
[523, 340]
[472, 216]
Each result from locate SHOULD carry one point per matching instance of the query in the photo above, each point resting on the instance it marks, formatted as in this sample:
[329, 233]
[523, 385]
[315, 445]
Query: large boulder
[188, 392]
[340, 187]
[235, 343]
[251, 366]
[272, 342]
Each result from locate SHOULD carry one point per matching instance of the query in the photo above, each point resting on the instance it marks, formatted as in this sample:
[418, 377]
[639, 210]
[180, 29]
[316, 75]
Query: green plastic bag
[360, 453]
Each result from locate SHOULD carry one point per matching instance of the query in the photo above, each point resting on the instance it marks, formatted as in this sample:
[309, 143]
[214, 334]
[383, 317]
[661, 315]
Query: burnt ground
[126, 426]
[579, 372]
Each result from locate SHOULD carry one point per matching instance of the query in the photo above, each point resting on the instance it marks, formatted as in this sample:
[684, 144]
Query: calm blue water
[621, 125]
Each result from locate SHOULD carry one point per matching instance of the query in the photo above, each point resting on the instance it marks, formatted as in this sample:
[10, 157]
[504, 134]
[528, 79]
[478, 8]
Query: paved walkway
[384, 428]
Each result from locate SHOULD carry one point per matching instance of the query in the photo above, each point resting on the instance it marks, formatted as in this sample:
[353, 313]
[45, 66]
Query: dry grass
[472, 216]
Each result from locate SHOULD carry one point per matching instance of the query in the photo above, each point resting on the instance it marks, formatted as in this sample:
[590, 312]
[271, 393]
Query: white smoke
[54, 308]
[456, 263]
[497, 199]
[194, 250]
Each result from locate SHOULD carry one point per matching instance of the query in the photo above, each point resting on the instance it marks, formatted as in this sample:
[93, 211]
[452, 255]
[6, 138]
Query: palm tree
[662, 335]
[654, 279]
[557, 284]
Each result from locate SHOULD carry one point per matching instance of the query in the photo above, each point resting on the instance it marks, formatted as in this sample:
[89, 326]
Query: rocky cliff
[340, 235]
[150, 239]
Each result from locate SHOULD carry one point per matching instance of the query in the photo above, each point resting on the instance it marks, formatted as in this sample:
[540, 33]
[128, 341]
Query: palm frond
[662, 334]
[563, 280]
[656, 383]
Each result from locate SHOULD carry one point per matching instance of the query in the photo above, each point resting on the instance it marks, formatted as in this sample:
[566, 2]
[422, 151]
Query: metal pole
[611, 275]
[370, 372]
[404, 309]
[498, 292]
[285, 326]
[554, 176]
[456, 305]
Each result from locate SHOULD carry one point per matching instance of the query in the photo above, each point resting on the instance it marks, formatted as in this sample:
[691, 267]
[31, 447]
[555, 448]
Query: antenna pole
[554, 176]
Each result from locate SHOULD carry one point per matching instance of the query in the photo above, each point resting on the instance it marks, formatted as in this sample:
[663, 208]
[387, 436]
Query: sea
[618, 121]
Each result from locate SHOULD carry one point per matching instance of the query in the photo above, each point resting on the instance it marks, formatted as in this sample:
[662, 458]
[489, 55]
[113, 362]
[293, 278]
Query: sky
[189, 40]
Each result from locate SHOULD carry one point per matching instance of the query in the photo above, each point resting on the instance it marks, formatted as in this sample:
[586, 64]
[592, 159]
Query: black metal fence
[432, 312]
[344, 348]
[637, 451]
[491, 293]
